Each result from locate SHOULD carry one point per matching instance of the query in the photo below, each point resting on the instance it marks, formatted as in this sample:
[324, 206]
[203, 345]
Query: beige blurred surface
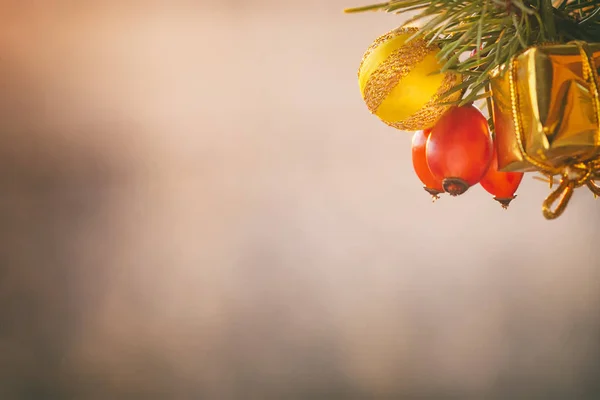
[196, 204]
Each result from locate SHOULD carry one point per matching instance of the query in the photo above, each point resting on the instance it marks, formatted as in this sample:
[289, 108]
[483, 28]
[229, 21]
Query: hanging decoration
[533, 66]
[399, 81]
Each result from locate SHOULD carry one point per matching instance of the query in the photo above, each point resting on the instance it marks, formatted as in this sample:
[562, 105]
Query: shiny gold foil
[554, 104]
[546, 110]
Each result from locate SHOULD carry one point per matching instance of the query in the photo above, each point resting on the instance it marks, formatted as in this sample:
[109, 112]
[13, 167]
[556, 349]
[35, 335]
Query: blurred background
[195, 203]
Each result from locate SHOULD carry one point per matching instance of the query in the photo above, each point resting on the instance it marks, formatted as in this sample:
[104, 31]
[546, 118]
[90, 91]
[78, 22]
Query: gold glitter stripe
[383, 39]
[427, 116]
[392, 70]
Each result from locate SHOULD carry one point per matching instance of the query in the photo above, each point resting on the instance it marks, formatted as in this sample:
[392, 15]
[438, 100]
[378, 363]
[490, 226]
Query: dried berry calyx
[435, 194]
[455, 186]
[504, 202]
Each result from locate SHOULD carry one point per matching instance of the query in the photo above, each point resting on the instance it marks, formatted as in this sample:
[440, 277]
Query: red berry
[459, 149]
[502, 185]
[433, 185]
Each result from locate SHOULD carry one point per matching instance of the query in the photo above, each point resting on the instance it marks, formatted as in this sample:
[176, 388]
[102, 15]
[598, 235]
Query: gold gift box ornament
[546, 112]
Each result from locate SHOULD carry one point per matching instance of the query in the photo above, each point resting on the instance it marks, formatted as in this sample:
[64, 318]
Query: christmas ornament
[502, 185]
[459, 149]
[535, 64]
[400, 83]
[546, 108]
[433, 186]
[550, 95]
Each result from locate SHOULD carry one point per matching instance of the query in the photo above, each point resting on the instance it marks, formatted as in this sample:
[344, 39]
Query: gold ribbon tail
[563, 194]
[593, 187]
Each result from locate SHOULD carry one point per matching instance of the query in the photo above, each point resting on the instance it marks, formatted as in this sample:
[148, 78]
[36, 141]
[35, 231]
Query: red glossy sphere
[432, 185]
[502, 185]
[459, 149]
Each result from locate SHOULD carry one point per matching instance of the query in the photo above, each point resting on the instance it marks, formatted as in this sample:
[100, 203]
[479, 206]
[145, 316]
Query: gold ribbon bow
[575, 175]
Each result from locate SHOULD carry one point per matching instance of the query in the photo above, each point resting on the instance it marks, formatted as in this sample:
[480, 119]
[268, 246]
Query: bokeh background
[196, 204]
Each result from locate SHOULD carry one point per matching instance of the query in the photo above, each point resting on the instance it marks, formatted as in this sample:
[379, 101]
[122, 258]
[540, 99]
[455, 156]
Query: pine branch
[494, 31]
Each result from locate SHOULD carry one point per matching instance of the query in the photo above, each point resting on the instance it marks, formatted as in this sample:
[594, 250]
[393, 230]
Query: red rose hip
[433, 185]
[502, 185]
[459, 149]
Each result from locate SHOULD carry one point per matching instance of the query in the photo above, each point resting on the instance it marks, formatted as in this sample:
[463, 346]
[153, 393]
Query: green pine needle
[497, 30]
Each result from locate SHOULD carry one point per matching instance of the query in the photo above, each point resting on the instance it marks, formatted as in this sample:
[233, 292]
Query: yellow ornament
[400, 81]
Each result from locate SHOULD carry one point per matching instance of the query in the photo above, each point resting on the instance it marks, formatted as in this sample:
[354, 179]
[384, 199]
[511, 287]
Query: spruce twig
[494, 30]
